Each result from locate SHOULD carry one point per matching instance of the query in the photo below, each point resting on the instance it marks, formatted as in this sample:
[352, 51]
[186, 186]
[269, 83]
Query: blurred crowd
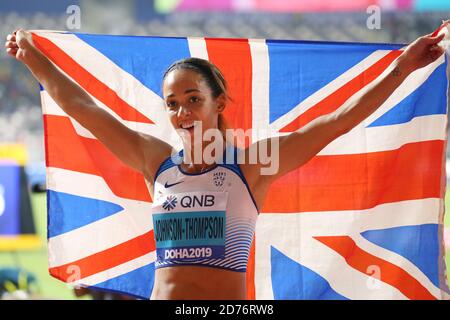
[20, 114]
[20, 110]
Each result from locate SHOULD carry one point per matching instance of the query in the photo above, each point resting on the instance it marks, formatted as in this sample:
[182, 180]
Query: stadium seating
[20, 115]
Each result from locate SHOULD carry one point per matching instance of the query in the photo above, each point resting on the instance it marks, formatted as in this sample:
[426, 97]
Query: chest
[174, 181]
[220, 179]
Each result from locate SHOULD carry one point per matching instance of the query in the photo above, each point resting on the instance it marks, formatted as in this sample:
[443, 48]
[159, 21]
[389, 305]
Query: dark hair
[210, 73]
[212, 76]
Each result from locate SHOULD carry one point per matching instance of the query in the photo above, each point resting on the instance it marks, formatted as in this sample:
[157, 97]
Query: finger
[10, 44]
[444, 24]
[11, 37]
[436, 39]
[24, 38]
[437, 50]
[435, 46]
[435, 53]
[11, 51]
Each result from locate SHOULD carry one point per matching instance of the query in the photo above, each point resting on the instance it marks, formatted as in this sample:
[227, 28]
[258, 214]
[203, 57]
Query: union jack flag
[361, 220]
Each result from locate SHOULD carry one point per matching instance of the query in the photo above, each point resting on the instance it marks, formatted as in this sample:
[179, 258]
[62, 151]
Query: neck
[200, 158]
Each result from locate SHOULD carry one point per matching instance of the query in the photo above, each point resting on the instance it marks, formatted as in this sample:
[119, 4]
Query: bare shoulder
[249, 170]
[260, 162]
[155, 152]
[257, 183]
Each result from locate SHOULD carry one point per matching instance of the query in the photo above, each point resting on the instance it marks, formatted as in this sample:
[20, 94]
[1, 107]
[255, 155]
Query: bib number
[185, 234]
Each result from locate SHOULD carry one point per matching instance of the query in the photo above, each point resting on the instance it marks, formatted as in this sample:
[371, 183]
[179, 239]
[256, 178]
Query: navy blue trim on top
[168, 163]
[201, 265]
[237, 169]
[192, 174]
[195, 174]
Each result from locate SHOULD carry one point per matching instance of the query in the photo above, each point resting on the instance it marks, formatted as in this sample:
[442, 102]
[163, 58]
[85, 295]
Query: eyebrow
[187, 91]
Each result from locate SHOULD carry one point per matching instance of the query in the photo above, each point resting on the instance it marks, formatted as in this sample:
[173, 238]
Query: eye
[194, 99]
[171, 104]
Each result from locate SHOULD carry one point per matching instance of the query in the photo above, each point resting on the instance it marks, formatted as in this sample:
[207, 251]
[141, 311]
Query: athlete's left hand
[423, 51]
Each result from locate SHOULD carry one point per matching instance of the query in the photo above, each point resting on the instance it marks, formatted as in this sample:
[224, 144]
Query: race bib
[190, 226]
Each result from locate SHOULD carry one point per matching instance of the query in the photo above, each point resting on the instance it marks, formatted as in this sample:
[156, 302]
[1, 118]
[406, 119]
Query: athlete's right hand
[18, 44]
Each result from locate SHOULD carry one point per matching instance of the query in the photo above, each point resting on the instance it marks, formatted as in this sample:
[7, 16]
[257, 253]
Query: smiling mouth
[187, 125]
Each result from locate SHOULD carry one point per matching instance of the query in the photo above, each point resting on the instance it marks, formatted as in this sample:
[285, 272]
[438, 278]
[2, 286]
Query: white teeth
[187, 125]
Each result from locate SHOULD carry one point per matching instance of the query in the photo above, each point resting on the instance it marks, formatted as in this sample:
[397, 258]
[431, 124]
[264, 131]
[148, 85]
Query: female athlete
[204, 214]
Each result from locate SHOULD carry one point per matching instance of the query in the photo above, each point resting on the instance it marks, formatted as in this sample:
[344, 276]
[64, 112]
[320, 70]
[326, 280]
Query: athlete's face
[188, 98]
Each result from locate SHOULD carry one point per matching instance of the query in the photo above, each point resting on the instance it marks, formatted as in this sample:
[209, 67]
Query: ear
[221, 102]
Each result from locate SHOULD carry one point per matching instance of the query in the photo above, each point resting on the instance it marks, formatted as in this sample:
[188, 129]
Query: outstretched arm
[129, 146]
[300, 146]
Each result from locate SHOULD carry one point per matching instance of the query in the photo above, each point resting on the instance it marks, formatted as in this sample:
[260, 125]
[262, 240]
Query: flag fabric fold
[361, 220]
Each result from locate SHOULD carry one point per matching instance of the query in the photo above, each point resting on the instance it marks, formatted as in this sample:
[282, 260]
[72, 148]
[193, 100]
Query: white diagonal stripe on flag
[117, 270]
[260, 88]
[397, 260]
[77, 244]
[165, 132]
[328, 89]
[197, 47]
[316, 256]
[101, 67]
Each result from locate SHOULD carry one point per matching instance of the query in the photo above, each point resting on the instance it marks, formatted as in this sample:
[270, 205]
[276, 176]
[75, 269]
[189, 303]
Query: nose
[183, 111]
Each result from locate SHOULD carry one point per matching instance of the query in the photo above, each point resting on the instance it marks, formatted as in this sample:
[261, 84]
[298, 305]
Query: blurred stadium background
[402, 21]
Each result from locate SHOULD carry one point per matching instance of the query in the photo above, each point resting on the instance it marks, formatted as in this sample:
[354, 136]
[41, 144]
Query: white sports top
[206, 219]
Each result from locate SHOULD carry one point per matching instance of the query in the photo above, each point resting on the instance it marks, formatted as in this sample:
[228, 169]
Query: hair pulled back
[211, 75]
